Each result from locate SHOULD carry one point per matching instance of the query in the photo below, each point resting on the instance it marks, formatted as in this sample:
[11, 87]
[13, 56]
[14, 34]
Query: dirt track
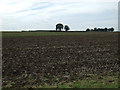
[54, 59]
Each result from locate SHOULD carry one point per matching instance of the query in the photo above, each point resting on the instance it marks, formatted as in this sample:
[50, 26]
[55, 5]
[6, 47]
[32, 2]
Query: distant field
[49, 33]
[60, 60]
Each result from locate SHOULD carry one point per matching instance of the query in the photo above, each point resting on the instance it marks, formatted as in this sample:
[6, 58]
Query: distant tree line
[100, 30]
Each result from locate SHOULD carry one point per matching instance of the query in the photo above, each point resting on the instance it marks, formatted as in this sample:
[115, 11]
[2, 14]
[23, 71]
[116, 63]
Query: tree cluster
[60, 26]
[100, 29]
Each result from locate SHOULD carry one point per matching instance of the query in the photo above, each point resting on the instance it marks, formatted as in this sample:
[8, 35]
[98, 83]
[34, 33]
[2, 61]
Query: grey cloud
[78, 14]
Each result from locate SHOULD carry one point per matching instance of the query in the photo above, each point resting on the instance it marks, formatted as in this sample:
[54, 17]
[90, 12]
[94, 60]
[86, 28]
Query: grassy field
[60, 60]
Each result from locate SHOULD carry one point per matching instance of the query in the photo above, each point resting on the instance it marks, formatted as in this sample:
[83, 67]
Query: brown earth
[57, 59]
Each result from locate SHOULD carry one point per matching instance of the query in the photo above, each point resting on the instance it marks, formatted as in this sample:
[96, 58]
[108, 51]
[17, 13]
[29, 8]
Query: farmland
[60, 59]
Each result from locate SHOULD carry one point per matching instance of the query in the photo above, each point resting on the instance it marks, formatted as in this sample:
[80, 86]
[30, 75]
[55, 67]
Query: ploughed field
[33, 61]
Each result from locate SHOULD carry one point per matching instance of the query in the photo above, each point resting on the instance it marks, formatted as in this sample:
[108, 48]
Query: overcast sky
[45, 14]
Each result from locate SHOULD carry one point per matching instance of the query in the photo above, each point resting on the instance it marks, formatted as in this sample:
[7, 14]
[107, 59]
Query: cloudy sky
[45, 14]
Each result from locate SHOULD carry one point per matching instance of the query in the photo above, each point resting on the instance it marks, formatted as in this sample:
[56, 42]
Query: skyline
[45, 14]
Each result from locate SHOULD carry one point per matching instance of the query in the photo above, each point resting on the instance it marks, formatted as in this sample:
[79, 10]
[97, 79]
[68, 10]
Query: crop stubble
[36, 60]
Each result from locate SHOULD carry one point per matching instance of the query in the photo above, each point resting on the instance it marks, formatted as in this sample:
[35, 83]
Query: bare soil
[37, 60]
